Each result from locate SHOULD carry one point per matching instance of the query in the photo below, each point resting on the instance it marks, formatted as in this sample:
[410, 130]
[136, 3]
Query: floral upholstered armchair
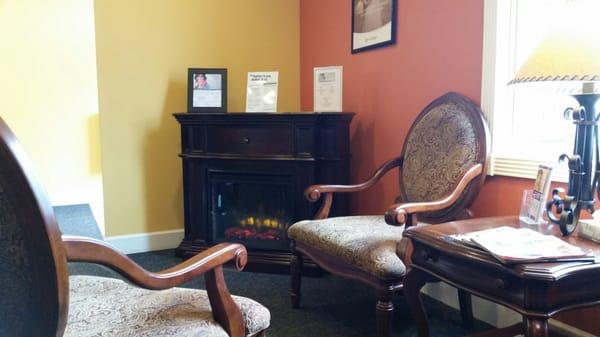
[38, 298]
[442, 167]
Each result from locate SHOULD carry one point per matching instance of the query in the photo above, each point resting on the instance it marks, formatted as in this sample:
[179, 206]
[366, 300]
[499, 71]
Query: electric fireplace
[253, 209]
[244, 176]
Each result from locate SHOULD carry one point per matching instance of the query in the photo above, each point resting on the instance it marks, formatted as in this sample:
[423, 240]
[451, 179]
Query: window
[527, 123]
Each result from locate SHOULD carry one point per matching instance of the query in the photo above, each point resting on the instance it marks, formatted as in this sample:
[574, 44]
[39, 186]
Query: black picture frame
[207, 90]
[370, 28]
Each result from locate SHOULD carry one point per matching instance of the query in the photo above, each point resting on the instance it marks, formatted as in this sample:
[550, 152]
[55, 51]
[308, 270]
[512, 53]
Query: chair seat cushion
[109, 307]
[365, 242]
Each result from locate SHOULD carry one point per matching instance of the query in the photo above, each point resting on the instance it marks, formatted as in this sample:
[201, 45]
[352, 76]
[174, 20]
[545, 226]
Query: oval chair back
[33, 266]
[448, 137]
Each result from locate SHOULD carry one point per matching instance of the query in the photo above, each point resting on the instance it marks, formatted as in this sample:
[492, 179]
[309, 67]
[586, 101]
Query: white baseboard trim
[483, 310]
[146, 242]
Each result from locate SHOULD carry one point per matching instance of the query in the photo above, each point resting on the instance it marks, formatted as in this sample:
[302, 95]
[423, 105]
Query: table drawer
[270, 140]
[470, 274]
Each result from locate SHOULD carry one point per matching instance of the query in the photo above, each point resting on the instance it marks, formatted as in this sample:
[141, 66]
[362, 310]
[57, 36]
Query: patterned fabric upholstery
[365, 242]
[110, 307]
[16, 278]
[440, 148]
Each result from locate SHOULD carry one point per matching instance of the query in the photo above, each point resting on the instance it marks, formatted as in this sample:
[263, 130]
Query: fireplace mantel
[244, 175]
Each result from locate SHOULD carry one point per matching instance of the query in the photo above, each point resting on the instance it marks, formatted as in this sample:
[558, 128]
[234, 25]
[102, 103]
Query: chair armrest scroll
[82, 249]
[398, 214]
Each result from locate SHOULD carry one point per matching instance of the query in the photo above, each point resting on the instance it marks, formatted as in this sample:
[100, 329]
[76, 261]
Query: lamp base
[583, 181]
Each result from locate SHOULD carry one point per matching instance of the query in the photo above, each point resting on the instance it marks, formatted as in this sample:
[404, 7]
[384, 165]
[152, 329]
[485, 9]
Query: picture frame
[327, 89]
[373, 24]
[207, 90]
[261, 91]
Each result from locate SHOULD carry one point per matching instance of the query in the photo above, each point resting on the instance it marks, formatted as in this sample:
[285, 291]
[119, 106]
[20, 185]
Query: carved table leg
[535, 326]
[466, 308]
[413, 282]
[296, 277]
[384, 312]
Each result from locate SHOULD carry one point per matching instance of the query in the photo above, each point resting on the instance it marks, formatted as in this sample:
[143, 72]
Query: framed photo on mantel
[207, 90]
[373, 24]
[261, 93]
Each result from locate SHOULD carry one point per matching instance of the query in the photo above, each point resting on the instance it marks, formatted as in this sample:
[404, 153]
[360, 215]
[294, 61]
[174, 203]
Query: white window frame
[498, 35]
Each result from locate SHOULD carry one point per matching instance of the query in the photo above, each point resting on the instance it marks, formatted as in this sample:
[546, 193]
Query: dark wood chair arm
[314, 192]
[82, 249]
[209, 262]
[398, 214]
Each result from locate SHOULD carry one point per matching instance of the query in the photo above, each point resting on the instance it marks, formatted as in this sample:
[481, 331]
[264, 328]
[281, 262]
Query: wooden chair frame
[398, 214]
[208, 263]
[54, 250]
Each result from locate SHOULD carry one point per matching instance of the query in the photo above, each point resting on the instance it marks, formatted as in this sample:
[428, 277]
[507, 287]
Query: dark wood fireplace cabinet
[244, 175]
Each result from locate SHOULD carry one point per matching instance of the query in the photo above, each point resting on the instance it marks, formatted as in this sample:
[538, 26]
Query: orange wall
[438, 49]
[502, 196]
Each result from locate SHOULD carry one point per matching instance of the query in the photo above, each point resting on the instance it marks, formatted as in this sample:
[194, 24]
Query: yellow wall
[144, 49]
[48, 94]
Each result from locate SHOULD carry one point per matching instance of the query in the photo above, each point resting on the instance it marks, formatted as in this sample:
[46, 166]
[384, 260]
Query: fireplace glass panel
[255, 210]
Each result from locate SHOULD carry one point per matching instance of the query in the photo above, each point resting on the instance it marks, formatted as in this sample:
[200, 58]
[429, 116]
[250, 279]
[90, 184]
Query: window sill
[523, 168]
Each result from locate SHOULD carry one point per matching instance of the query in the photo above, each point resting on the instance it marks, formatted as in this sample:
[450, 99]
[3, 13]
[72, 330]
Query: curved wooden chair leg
[466, 308]
[384, 311]
[296, 277]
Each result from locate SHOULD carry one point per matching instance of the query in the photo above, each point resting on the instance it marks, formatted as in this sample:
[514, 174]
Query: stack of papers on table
[521, 245]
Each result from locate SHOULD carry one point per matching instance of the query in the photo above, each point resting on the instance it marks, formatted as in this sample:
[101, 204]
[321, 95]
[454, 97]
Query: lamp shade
[568, 55]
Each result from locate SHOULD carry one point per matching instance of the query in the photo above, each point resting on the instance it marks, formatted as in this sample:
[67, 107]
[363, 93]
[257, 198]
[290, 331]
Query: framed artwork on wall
[373, 24]
[207, 90]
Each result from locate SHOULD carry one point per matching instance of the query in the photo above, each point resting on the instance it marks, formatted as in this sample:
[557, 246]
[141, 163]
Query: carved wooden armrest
[82, 249]
[314, 192]
[209, 262]
[400, 214]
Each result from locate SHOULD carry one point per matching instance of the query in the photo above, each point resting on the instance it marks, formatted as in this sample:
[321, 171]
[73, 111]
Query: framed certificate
[373, 24]
[328, 89]
[261, 93]
[207, 90]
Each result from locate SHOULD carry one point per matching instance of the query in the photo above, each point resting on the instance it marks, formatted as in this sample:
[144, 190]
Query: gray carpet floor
[331, 306]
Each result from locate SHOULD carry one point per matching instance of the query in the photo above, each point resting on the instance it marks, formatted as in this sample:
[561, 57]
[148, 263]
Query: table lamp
[568, 61]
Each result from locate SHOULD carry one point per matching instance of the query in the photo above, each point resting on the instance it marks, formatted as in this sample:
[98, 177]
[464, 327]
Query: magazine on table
[523, 245]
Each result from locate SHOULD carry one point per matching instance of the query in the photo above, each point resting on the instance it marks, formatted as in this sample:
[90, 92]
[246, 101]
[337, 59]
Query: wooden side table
[535, 290]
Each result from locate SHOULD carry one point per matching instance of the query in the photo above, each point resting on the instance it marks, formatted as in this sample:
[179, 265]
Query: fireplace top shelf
[268, 136]
[183, 117]
[285, 113]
